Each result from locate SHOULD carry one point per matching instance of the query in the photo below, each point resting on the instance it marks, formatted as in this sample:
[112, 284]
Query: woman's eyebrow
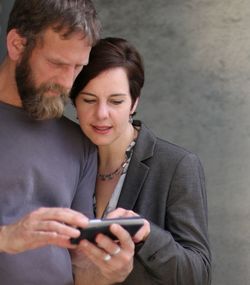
[113, 95]
[87, 93]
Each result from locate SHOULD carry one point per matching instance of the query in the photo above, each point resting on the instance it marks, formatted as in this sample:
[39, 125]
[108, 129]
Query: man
[47, 167]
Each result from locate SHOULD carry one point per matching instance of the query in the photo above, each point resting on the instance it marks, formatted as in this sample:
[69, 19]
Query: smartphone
[95, 226]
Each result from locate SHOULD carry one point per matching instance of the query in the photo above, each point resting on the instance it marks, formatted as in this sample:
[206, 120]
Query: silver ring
[107, 257]
[118, 249]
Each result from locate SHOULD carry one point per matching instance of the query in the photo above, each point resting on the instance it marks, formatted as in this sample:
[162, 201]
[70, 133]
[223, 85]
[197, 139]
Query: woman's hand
[144, 231]
[108, 261]
[112, 260]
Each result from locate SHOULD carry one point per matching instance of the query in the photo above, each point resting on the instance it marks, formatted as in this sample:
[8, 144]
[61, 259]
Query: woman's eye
[116, 102]
[89, 101]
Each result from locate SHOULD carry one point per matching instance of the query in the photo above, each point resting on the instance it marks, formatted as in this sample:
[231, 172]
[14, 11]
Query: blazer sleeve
[179, 254]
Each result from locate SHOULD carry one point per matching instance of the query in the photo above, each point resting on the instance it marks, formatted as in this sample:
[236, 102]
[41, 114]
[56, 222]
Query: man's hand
[45, 226]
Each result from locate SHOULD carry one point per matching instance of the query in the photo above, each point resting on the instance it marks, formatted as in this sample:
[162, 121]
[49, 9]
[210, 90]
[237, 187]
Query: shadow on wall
[5, 7]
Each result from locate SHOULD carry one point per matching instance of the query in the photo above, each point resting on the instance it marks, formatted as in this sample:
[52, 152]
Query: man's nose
[67, 77]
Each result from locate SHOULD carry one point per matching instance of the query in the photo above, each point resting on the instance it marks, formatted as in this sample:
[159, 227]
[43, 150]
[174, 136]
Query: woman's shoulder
[162, 148]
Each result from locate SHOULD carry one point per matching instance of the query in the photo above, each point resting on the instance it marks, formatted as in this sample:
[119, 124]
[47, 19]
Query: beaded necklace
[122, 168]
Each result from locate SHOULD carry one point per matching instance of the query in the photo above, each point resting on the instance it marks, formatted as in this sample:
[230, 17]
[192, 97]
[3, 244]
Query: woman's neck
[111, 156]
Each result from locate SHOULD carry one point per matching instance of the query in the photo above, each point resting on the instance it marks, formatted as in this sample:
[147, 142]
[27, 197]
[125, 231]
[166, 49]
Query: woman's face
[104, 107]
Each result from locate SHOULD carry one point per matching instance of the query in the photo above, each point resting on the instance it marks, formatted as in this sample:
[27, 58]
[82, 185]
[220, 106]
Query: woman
[140, 174]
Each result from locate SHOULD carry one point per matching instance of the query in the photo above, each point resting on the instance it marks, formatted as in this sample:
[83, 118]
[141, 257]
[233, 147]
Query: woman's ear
[134, 106]
[15, 44]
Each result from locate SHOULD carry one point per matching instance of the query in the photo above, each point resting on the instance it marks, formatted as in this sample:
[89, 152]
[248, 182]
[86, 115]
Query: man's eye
[55, 64]
[78, 68]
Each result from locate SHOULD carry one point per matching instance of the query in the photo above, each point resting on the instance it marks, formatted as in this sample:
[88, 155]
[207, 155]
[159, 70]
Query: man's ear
[15, 44]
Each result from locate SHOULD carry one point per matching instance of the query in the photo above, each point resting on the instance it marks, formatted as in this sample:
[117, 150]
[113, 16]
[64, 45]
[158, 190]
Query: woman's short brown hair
[110, 53]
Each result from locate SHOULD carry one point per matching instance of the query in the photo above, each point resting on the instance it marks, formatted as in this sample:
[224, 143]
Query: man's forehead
[51, 34]
[54, 42]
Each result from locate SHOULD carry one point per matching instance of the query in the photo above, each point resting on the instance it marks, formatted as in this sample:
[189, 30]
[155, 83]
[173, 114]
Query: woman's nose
[102, 111]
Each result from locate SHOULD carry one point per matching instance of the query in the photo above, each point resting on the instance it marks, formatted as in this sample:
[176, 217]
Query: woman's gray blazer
[165, 184]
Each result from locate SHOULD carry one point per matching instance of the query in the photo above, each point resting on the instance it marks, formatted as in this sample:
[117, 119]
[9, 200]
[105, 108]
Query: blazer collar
[138, 168]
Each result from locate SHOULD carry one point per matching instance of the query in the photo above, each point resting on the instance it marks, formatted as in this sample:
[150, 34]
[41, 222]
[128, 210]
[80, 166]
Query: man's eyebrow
[60, 61]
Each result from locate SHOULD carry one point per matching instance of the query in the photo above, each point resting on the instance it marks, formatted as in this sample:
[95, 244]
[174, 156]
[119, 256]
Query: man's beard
[35, 102]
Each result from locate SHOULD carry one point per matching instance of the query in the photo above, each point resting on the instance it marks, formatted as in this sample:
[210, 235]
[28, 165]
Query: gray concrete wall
[5, 6]
[197, 57]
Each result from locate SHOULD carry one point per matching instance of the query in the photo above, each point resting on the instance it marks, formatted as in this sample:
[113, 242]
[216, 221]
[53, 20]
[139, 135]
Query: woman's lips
[102, 129]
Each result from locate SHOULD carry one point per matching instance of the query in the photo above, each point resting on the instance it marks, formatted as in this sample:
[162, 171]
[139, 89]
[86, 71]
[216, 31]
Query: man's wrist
[2, 228]
[91, 274]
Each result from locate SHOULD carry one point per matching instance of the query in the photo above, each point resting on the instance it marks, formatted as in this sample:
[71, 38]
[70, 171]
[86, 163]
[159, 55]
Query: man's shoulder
[72, 131]
[65, 124]
[68, 123]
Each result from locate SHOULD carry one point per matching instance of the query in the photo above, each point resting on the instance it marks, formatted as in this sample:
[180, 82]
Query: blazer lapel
[132, 187]
[138, 169]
